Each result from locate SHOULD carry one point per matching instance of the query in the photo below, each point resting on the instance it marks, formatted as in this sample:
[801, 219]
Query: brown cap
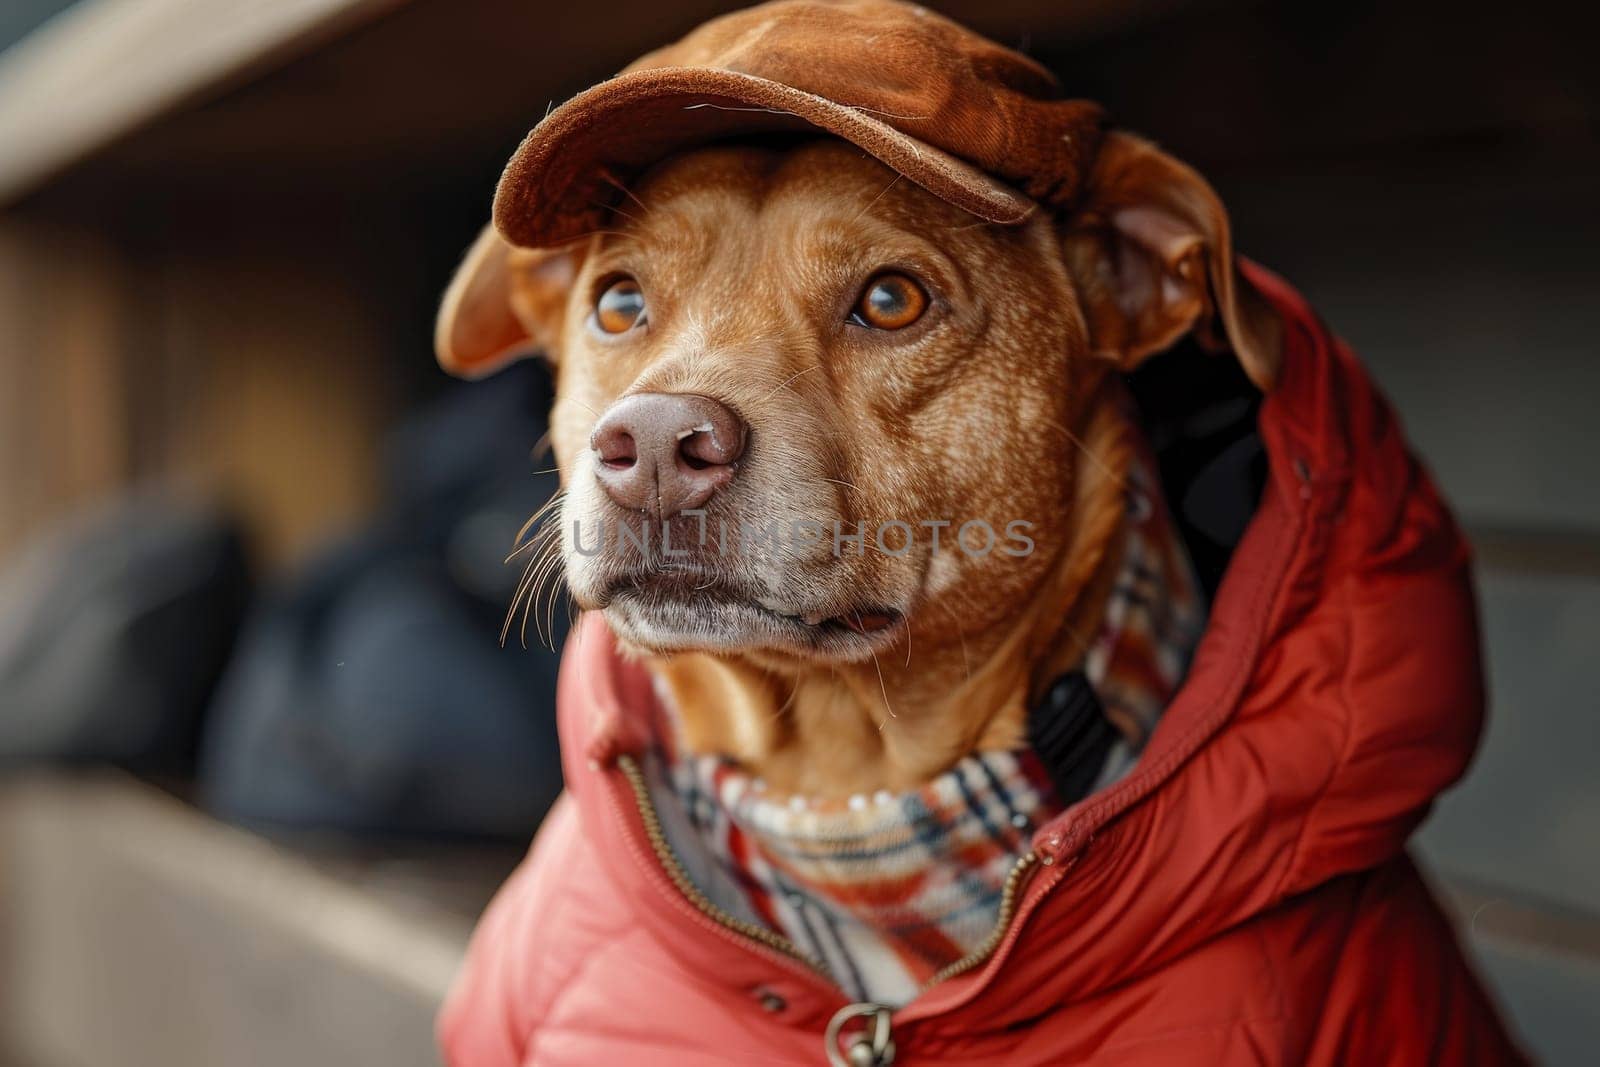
[975, 124]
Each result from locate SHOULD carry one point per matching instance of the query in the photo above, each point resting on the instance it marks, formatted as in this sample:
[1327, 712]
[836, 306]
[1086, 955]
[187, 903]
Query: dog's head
[807, 410]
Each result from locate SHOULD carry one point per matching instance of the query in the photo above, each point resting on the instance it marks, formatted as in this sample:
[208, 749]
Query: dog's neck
[899, 720]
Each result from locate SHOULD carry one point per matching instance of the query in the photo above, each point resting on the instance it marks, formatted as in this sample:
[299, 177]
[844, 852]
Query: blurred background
[262, 757]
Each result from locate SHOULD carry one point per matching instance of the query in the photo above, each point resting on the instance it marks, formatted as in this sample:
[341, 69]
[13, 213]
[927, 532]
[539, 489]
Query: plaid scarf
[887, 889]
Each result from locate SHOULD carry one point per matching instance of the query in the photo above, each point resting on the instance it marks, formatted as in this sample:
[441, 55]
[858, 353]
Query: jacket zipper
[1008, 902]
[1009, 892]
[669, 860]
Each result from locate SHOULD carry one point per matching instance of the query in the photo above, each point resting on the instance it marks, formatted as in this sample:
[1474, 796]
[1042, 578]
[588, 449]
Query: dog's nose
[664, 453]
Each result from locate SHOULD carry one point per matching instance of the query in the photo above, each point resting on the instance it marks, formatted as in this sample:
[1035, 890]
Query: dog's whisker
[882, 688]
[550, 564]
[540, 448]
[607, 177]
[1105, 468]
[505, 627]
[874, 202]
[621, 235]
[785, 383]
[517, 543]
[794, 694]
[536, 579]
[526, 574]
[543, 536]
[531, 602]
[557, 582]
[966, 662]
[516, 597]
[531, 580]
[619, 210]
[581, 404]
[522, 634]
[539, 546]
[518, 546]
[519, 550]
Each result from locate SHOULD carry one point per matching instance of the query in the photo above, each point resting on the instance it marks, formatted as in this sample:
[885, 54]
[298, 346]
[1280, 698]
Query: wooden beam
[138, 931]
[104, 68]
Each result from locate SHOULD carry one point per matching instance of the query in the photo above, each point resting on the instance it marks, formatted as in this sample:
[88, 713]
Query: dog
[788, 358]
[755, 272]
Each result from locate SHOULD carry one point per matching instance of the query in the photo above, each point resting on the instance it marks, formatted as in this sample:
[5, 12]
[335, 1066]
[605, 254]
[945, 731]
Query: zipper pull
[872, 1046]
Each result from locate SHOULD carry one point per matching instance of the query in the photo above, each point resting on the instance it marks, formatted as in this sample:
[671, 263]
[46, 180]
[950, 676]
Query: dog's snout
[664, 453]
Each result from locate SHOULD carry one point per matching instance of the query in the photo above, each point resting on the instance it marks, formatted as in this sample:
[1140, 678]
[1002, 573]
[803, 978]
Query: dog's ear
[1152, 257]
[503, 303]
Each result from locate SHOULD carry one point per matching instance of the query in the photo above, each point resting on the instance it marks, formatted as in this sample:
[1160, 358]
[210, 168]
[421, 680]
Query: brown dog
[776, 335]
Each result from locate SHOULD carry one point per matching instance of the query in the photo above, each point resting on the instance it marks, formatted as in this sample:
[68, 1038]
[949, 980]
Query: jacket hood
[1336, 691]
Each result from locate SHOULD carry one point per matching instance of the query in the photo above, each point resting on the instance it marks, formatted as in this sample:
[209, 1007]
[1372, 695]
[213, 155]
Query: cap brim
[555, 189]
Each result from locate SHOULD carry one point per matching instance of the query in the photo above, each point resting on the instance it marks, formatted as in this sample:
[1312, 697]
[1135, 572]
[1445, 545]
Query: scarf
[887, 889]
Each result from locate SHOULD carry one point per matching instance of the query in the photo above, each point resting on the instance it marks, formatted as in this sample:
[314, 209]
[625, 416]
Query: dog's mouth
[683, 610]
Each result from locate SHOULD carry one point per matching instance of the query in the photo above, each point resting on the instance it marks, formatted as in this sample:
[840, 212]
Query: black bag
[371, 692]
[114, 628]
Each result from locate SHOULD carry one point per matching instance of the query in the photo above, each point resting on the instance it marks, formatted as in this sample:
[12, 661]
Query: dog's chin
[665, 619]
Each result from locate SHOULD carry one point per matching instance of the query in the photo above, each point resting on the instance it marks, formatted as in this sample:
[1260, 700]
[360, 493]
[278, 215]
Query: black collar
[1071, 735]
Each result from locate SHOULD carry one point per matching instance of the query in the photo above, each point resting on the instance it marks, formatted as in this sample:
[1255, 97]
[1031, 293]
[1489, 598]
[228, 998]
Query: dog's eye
[620, 308]
[890, 302]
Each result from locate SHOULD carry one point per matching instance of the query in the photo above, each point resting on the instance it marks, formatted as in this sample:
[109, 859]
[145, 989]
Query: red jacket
[1243, 896]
